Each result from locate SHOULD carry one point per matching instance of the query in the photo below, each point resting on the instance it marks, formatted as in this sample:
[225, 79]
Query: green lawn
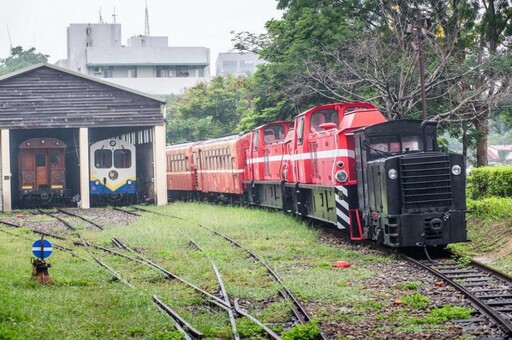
[85, 300]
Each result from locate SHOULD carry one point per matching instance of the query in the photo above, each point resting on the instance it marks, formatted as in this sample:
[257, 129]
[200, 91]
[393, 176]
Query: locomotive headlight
[456, 170]
[129, 182]
[341, 176]
[97, 182]
[340, 164]
[392, 174]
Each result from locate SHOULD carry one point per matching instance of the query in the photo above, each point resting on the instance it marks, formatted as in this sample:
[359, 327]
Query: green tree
[209, 110]
[343, 50]
[20, 59]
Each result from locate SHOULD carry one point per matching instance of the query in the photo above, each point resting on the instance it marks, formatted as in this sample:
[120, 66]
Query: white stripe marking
[239, 171]
[44, 249]
[305, 156]
[343, 216]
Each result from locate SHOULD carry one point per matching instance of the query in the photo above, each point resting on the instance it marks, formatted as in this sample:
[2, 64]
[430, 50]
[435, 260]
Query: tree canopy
[324, 51]
[20, 58]
[209, 109]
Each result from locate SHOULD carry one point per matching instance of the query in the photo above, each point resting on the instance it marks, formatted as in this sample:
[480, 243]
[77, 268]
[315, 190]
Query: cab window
[122, 158]
[103, 159]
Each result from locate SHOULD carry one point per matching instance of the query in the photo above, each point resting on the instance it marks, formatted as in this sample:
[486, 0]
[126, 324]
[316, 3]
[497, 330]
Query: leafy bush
[492, 208]
[490, 181]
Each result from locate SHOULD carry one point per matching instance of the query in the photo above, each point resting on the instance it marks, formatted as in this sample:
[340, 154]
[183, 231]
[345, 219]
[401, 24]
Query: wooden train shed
[49, 101]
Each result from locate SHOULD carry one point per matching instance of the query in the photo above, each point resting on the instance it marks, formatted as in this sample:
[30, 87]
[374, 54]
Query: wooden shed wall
[49, 98]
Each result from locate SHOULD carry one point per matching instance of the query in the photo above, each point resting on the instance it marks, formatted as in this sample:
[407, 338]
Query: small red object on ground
[341, 264]
[397, 302]
[20, 216]
[439, 284]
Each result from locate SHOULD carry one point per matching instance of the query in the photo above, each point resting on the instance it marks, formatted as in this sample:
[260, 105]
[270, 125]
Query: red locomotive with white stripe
[341, 163]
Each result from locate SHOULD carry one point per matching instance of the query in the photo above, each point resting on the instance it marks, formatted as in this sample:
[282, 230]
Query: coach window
[54, 159]
[255, 139]
[40, 159]
[122, 158]
[300, 131]
[268, 137]
[103, 159]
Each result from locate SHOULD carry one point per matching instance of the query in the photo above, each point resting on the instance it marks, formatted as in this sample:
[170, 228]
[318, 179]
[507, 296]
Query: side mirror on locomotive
[411, 194]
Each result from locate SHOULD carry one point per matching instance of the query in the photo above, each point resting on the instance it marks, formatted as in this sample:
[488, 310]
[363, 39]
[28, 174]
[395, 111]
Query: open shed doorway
[142, 138]
[68, 136]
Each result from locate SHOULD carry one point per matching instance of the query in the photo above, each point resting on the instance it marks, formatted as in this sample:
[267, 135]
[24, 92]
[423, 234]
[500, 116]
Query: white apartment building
[237, 64]
[146, 63]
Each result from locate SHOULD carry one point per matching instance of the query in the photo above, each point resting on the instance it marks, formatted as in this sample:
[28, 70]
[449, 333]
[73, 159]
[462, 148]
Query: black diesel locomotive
[410, 193]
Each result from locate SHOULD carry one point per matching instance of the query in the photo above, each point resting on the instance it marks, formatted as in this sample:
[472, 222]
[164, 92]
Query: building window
[182, 71]
[229, 66]
[246, 67]
[107, 72]
[160, 71]
[132, 72]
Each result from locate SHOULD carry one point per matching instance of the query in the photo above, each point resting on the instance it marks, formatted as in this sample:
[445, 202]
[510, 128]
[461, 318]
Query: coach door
[42, 169]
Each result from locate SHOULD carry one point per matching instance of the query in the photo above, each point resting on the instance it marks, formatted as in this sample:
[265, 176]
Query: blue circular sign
[42, 249]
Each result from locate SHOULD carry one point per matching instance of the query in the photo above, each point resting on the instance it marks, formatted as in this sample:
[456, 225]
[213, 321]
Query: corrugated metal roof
[66, 70]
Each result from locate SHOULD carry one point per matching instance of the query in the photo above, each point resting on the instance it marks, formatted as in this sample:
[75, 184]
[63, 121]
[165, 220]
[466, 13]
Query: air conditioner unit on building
[97, 70]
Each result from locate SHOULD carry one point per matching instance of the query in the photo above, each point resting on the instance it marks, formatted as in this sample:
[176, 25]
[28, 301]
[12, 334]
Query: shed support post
[84, 169]
[159, 165]
[6, 170]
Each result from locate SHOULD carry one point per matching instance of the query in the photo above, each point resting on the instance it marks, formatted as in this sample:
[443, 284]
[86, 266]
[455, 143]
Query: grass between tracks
[84, 301]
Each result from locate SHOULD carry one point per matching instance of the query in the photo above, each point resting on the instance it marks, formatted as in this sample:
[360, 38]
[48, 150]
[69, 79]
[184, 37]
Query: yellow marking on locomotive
[112, 187]
[27, 187]
[57, 186]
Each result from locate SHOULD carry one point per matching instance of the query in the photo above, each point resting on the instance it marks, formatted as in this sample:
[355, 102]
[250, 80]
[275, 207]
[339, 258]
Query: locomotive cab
[411, 194]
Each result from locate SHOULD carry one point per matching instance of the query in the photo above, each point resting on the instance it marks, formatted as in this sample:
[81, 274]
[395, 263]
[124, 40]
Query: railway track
[226, 303]
[489, 291]
[300, 312]
[179, 322]
[231, 306]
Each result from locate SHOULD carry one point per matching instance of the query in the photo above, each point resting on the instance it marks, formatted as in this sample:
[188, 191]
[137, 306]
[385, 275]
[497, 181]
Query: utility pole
[421, 32]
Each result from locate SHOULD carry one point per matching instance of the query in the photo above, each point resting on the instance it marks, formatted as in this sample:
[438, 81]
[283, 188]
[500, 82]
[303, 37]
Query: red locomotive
[42, 172]
[339, 163]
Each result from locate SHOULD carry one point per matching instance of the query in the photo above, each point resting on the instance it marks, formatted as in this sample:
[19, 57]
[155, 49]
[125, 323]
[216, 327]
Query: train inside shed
[51, 117]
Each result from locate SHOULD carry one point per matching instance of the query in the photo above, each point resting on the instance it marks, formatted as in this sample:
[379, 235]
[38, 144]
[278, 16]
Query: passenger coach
[42, 172]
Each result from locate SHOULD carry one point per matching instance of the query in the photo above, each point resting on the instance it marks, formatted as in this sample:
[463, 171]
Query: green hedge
[492, 208]
[495, 181]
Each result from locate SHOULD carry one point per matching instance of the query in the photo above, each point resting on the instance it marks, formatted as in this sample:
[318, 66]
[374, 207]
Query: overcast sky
[42, 23]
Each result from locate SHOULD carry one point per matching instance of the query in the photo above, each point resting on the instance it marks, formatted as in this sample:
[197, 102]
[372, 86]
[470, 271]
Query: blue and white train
[112, 172]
